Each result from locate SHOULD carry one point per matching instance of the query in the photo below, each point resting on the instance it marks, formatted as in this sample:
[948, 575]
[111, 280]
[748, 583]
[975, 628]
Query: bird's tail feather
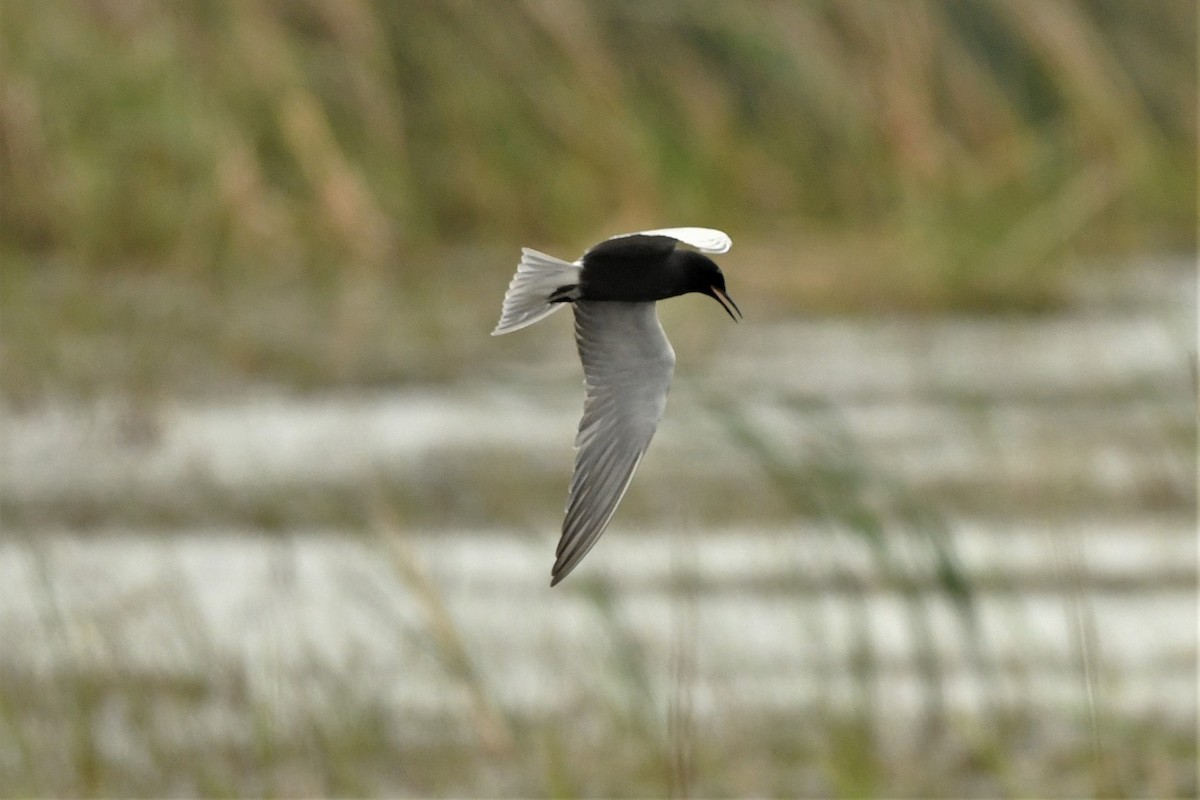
[541, 286]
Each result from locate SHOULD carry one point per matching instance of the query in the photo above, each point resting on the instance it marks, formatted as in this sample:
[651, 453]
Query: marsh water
[798, 537]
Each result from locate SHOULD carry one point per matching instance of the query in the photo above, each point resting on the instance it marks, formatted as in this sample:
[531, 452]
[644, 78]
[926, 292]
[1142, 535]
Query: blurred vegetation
[331, 159]
[323, 192]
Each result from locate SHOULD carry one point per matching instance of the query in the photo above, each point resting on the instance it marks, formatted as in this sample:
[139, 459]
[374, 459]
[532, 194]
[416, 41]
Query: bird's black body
[643, 268]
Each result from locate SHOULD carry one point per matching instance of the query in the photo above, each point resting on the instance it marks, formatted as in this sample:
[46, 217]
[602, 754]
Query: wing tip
[562, 566]
[561, 569]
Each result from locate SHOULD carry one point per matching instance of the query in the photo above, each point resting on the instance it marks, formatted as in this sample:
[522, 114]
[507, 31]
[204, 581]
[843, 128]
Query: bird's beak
[726, 302]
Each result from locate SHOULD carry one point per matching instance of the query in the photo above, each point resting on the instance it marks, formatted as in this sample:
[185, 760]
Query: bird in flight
[627, 360]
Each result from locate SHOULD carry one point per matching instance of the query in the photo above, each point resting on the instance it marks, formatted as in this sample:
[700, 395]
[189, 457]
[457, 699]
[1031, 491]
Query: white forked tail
[538, 277]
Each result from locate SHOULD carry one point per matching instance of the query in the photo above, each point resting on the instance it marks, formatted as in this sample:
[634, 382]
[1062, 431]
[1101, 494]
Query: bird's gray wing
[627, 367]
[706, 240]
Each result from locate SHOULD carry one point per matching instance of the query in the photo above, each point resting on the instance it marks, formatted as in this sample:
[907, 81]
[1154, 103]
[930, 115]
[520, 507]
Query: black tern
[627, 360]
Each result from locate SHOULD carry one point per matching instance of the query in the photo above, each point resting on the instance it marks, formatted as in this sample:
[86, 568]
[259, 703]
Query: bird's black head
[701, 274]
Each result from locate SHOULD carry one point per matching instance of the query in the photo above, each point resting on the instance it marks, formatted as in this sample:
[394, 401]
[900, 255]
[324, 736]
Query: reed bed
[279, 167]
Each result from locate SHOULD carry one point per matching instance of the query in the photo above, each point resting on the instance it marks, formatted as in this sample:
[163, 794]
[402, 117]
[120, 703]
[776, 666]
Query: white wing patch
[706, 240]
[627, 366]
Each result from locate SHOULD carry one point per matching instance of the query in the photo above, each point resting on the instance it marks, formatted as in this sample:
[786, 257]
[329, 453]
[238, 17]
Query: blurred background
[277, 515]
